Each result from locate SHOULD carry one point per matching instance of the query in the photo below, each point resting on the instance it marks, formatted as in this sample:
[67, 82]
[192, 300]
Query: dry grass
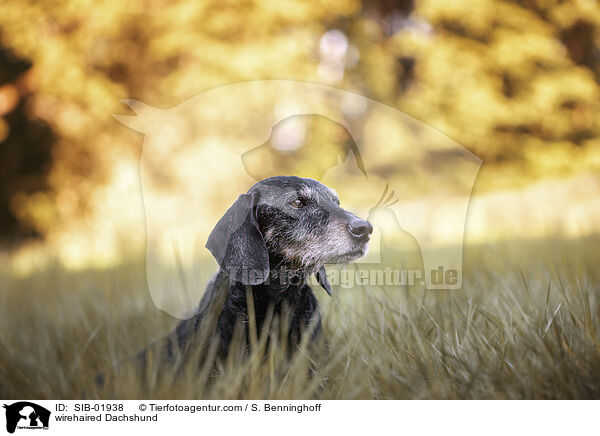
[525, 325]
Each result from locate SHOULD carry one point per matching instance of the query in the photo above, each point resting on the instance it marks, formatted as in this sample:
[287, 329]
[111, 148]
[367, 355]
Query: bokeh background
[516, 83]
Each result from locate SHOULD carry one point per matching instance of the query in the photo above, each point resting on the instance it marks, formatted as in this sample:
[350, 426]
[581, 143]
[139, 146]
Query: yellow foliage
[505, 80]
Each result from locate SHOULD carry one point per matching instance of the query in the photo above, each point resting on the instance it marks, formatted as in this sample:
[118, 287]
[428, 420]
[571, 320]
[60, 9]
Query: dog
[268, 244]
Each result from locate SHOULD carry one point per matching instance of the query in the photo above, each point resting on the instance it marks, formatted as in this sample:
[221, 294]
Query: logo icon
[201, 151]
[26, 415]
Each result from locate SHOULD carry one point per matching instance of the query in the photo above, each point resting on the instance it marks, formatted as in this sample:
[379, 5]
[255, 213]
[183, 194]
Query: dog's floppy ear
[322, 279]
[237, 244]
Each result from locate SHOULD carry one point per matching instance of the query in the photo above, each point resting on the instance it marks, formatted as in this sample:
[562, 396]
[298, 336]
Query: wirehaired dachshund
[268, 244]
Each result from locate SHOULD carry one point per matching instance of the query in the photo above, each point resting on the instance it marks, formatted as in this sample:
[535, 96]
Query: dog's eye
[297, 203]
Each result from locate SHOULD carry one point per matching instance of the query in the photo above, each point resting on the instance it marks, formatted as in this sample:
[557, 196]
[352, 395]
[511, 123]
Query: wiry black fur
[263, 235]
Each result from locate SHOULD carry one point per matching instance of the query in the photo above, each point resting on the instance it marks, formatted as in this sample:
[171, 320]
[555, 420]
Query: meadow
[525, 325]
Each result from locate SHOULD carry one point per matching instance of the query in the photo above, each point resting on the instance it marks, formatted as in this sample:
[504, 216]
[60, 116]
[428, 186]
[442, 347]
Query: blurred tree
[25, 145]
[515, 82]
[497, 76]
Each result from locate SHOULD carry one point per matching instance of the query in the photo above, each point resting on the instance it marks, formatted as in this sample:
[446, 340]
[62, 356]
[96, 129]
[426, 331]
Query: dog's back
[197, 332]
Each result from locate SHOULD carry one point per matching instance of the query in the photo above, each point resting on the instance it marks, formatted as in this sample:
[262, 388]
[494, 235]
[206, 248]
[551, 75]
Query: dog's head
[289, 222]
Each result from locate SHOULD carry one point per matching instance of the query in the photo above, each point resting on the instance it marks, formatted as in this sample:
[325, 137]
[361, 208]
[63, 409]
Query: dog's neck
[286, 278]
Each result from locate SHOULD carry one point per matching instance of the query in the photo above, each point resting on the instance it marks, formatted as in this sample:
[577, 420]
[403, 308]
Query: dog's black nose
[360, 229]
